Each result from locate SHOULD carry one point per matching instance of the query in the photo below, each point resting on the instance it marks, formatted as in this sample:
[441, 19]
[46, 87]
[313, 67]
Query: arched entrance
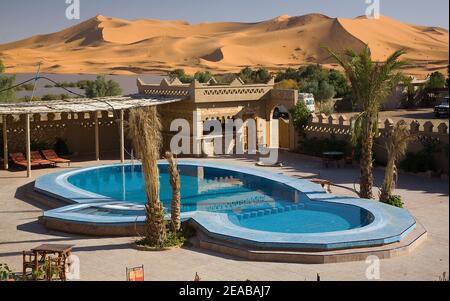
[279, 129]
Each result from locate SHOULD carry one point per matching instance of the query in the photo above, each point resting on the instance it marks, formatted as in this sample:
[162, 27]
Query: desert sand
[117, 46]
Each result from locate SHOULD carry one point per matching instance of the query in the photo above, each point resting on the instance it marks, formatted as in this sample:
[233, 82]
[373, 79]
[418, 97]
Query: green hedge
[316, 146]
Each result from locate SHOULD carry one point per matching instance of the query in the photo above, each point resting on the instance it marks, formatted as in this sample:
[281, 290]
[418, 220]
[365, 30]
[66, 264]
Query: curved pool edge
[390, 224]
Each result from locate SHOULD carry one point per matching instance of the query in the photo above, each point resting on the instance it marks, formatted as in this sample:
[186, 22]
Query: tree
[325, 91]
[396, 146]
[287, 84]
[324, 84]
[6, 82]
[203, 77]
[176, 195]
[250, 76]
[246, 74]
[435, 80]
[182, 76]
[338, 81]
[448, 74]
[101, 87]
[300, 116]
[144, 130]
[371, 83]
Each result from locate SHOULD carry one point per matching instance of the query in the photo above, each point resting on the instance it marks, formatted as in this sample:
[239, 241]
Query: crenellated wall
[208, 92]
[322, 126]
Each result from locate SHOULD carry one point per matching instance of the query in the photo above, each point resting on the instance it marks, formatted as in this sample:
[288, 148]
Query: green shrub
[46, 267]
[172, 240]
[182, 76]
[287, 84]
[327, 107]
[203, 77]
[39, 145]
[82, 84]
[5, 272]
[395, 200]
[323, 83]
[250, 76]
[49, 97]
[300, 116]
[101, 88]
[61, 147]
[417, 162]
[316, 146]
[66, 85]
[435, 80]
[25, 87]
[5, 83]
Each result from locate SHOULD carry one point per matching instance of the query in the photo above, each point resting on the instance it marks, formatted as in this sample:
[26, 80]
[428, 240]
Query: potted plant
[5, 273]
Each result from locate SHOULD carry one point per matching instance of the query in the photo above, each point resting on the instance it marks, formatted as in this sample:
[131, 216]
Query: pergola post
[28, 144]
[97, 141]
[122, 138]
[5, 143]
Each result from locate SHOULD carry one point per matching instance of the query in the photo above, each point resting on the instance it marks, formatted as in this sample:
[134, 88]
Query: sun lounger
[19, 159]
[51, 155]
[37, 158]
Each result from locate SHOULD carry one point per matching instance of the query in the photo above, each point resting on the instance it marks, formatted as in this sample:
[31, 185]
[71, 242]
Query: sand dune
[110, 45]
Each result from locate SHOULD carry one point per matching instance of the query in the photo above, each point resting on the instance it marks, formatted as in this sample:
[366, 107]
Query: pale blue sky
[23, 18]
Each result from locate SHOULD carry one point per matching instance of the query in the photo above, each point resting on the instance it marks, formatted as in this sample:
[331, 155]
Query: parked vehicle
[308, 100]
[442, 109]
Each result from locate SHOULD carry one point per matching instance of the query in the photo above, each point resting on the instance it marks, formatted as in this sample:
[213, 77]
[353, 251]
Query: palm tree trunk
[366, 179]
[145, 132]
[388, 182]
[154, 211]
[176, 195]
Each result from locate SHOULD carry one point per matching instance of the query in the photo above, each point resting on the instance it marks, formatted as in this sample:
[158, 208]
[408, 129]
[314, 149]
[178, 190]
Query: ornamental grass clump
[144, 129]
[176, 194]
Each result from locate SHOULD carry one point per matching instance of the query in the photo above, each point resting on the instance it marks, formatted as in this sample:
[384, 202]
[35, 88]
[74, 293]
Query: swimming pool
[234, 203]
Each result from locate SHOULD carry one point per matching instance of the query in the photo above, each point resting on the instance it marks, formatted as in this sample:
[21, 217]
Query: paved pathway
[106, 258]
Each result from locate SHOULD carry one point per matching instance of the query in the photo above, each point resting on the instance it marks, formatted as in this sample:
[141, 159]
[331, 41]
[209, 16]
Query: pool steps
[269, 211]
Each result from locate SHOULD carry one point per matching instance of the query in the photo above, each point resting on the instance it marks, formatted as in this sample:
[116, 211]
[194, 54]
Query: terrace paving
[106, 258]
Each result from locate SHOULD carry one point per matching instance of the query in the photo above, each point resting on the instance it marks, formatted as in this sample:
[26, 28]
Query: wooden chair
[135, 274]
[37, 158]
[29, 261]
[19, 159]
[51, 155]
[57, 265]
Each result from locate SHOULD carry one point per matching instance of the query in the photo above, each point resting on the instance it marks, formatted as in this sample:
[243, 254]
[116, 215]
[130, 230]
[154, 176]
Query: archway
[279, 128]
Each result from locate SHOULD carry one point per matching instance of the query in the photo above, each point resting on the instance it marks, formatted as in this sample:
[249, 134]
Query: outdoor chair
[37, 158]
[28, 263]
[135, 274]
[51, 155]
[56, 268]
[19, 159]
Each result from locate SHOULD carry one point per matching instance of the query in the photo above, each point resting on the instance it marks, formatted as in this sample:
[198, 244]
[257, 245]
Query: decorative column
[122, 138]
[97, 141]
[28, 144]
[5, 143]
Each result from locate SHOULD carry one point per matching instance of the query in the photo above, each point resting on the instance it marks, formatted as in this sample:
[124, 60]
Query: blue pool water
[250, 201]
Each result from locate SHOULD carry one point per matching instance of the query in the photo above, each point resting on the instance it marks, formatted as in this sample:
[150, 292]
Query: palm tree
[144, 129]
[176, 196]
[396, 146]
[371, 83]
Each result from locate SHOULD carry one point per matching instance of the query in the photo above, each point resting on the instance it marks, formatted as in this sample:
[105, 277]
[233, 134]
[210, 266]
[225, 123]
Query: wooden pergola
[117, 104]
